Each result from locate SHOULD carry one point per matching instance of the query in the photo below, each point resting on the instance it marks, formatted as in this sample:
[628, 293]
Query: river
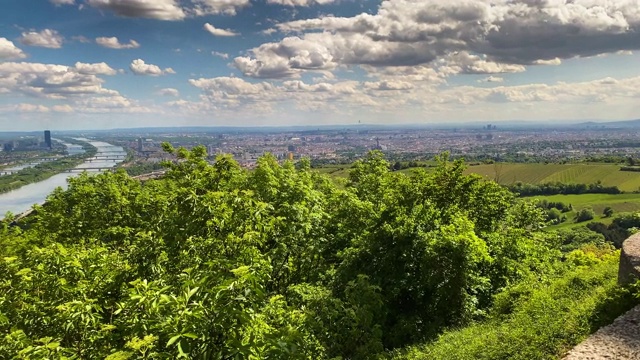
[22, 199]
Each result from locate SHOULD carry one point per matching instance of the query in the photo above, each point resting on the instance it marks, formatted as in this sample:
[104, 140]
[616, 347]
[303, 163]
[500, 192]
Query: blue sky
[99, 64]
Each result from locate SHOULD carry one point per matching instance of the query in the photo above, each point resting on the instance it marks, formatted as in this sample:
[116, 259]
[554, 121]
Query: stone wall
[629, 269]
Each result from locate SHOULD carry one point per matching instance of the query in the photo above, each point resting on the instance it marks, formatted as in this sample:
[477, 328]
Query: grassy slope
[609, 174]
[619, 203]
[545, 323]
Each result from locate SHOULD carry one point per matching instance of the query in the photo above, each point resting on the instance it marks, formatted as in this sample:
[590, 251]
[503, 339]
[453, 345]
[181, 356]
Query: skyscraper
[47, 138]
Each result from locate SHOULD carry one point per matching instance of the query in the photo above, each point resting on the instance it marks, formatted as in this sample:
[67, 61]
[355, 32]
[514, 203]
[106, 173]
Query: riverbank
[20, 200]
[45, 170]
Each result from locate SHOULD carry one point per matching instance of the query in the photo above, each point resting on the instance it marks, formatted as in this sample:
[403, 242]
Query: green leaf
[173, 340]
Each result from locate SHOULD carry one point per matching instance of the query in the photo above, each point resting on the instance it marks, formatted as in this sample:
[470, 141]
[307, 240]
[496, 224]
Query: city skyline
[103, 64]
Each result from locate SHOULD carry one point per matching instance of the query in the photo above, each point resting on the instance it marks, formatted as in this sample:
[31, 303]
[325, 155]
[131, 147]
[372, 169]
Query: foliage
[573, 239]
[539, 320]
[142, 168]
[622, 226]
[608, 211]
[213, 261]
[585, 214]
[554, 188]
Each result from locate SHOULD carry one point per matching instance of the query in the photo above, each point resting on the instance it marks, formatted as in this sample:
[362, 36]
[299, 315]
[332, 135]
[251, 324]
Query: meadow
[538, 173]
[620, 203]
[608, 174]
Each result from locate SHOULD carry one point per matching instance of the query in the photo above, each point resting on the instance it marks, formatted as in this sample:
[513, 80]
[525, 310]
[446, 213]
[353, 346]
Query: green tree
[607, 212]
[585, 214]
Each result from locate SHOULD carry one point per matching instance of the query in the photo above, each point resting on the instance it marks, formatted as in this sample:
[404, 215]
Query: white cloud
[220, 54]
[114, 43]
[62, 2]
[46, 38]
[31, 108]
[389, 85]
[152, 9]
[94, 69]
[139, 67]
[458, 36]
[289, 57]
[464, 63]
[552, 62]
[491, 79]
[169, 92]
[217, 7]
[9, 51]
[230, 86]
[219, 32]
[62, 108]
[53, 81]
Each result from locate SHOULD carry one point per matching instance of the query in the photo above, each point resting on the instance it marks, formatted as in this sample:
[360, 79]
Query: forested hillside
[215, 262]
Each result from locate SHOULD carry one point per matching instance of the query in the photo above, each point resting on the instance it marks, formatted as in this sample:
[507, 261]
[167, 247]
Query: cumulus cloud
[289, 57]
[23, 107]
[169, 92]
[156, 9]
[9, 51]
[230, 86]
[46, 38]
[114, 43]
[389, 85]
[94, 69]
[219, 32]
[464, 63]
[139, 67]
[217, 7]
[475, 36]
[54, 81]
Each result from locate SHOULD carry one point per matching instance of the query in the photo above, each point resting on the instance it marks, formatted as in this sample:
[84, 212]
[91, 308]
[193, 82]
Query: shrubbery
[562, 188]
[540, 320]
[213, 261]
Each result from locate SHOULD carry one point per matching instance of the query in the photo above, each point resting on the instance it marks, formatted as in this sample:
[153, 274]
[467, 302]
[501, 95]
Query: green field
[608, 174]
[619, 203]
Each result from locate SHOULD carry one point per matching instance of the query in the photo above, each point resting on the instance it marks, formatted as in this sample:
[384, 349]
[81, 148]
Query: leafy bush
[585, 214]
[539, 320]
[214, 261]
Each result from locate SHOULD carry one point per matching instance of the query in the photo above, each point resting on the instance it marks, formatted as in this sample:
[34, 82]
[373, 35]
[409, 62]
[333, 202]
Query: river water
[22, 199]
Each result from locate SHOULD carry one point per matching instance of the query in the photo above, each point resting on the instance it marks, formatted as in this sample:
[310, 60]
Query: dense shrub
[562, 188]
[539, 320]
[585, 214]
[214, 261]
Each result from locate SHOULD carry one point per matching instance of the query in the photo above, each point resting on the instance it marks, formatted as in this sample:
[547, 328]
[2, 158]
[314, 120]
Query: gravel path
[619, 341]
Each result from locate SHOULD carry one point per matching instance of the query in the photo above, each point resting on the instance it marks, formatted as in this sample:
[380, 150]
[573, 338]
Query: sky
[102, 64]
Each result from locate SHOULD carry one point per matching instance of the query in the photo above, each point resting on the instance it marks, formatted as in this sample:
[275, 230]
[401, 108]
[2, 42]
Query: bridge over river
[20, 200]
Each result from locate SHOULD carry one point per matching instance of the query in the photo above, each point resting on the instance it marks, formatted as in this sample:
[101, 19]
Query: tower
[140, 148]
[47, 138]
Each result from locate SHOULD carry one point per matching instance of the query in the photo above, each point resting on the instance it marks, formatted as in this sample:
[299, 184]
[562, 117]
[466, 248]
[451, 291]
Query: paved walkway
[618, 341]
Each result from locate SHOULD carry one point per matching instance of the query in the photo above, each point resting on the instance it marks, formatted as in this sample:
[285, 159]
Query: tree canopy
[214, 261]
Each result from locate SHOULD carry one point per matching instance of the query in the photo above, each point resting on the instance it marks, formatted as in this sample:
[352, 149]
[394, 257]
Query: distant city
[346, 144]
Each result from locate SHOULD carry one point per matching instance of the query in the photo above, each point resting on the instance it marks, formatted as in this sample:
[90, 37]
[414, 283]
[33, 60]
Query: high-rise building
[47, 138]
[140, 147]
